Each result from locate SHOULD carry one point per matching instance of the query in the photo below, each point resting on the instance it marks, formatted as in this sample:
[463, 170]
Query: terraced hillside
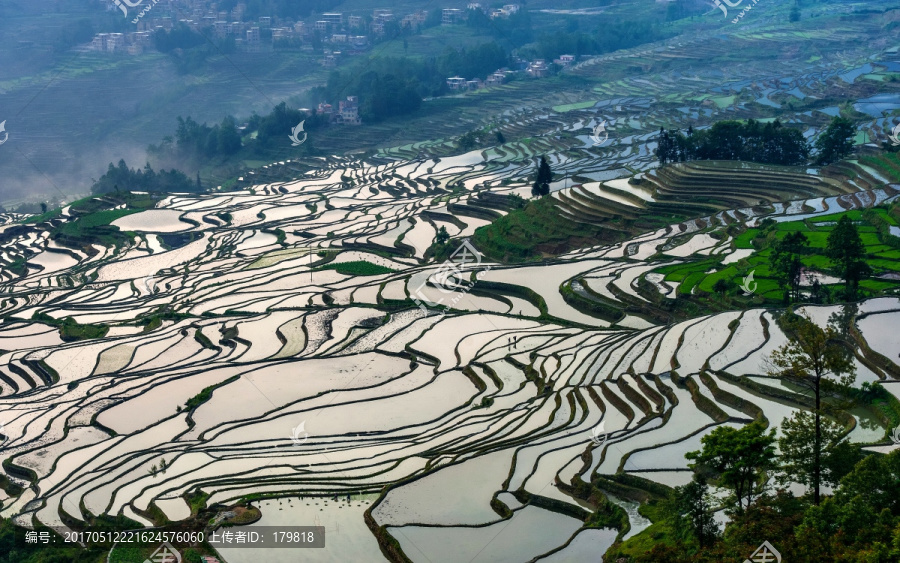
[288, 344]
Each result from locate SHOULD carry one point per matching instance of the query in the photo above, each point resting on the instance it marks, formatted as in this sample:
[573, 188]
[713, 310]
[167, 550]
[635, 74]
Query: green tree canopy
[541, 186]
[692, 513]
[836, 141]
[847, 253]
[737, 459]
[122, 178]
[797, 447]
[785, 264]
[811, 355]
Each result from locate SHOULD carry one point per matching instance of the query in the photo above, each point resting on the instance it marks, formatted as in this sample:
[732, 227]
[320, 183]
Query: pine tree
[541, 185]
[662, 149]
[847, 253]
[836, 141]
[812, 355]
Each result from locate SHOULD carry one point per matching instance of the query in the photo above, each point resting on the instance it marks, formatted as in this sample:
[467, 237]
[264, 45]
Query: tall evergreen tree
[836, 141]
[847, 254]
[813, 355]
[785, 264]
[693, 511]
[541, 185]
[737, 459]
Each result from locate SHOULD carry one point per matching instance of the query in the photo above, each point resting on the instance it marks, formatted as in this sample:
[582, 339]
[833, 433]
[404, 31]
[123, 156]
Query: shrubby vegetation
[357, 268]
[611, 36]
[860, 521]
[194, 141]
[389, 87]
[121, 179]
[771, 143]
[180, 37]
[280, 8]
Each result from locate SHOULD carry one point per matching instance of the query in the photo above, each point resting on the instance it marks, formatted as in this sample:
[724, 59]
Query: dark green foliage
[389, 87]
[275, 128]
[692, 513]
[516, 201]
[847, 253]
[721, 286]
[797, 457]
[785, 264]
[70, 330]
[206, 393]
[615, 33]
[539, 227]
[479, 138]
[738, 460]
[74, 33]
[771, 143]
[181, 37]
[357, 268]
[14, 549]
[121, 178]
[195, 142]
[861, 522]
[815, 359]
[541, 186]
[679, 9]
[442, 236]
[836, 141]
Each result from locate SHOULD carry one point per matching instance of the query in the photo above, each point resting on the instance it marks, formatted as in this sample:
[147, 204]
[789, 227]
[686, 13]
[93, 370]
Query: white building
[456, 83]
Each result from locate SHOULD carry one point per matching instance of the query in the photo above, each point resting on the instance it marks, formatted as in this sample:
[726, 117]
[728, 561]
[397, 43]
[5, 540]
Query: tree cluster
[275, 127]
[393, 86]
[860, 521]
[844, 248]
[121, 178]
[770, 143]
[479, 138]
[194, 141]
[611, 35]
[280, 8]
[180, 37]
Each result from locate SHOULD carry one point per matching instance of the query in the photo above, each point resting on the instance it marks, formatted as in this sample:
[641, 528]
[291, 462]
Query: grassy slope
[881, 257]
[535, 231]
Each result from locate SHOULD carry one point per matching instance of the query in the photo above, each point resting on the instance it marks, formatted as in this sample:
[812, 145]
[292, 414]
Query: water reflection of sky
[852, 75]
[878, 104]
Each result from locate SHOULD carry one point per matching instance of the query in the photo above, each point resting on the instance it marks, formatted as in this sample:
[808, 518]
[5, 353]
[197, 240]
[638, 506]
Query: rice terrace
[637, 305]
